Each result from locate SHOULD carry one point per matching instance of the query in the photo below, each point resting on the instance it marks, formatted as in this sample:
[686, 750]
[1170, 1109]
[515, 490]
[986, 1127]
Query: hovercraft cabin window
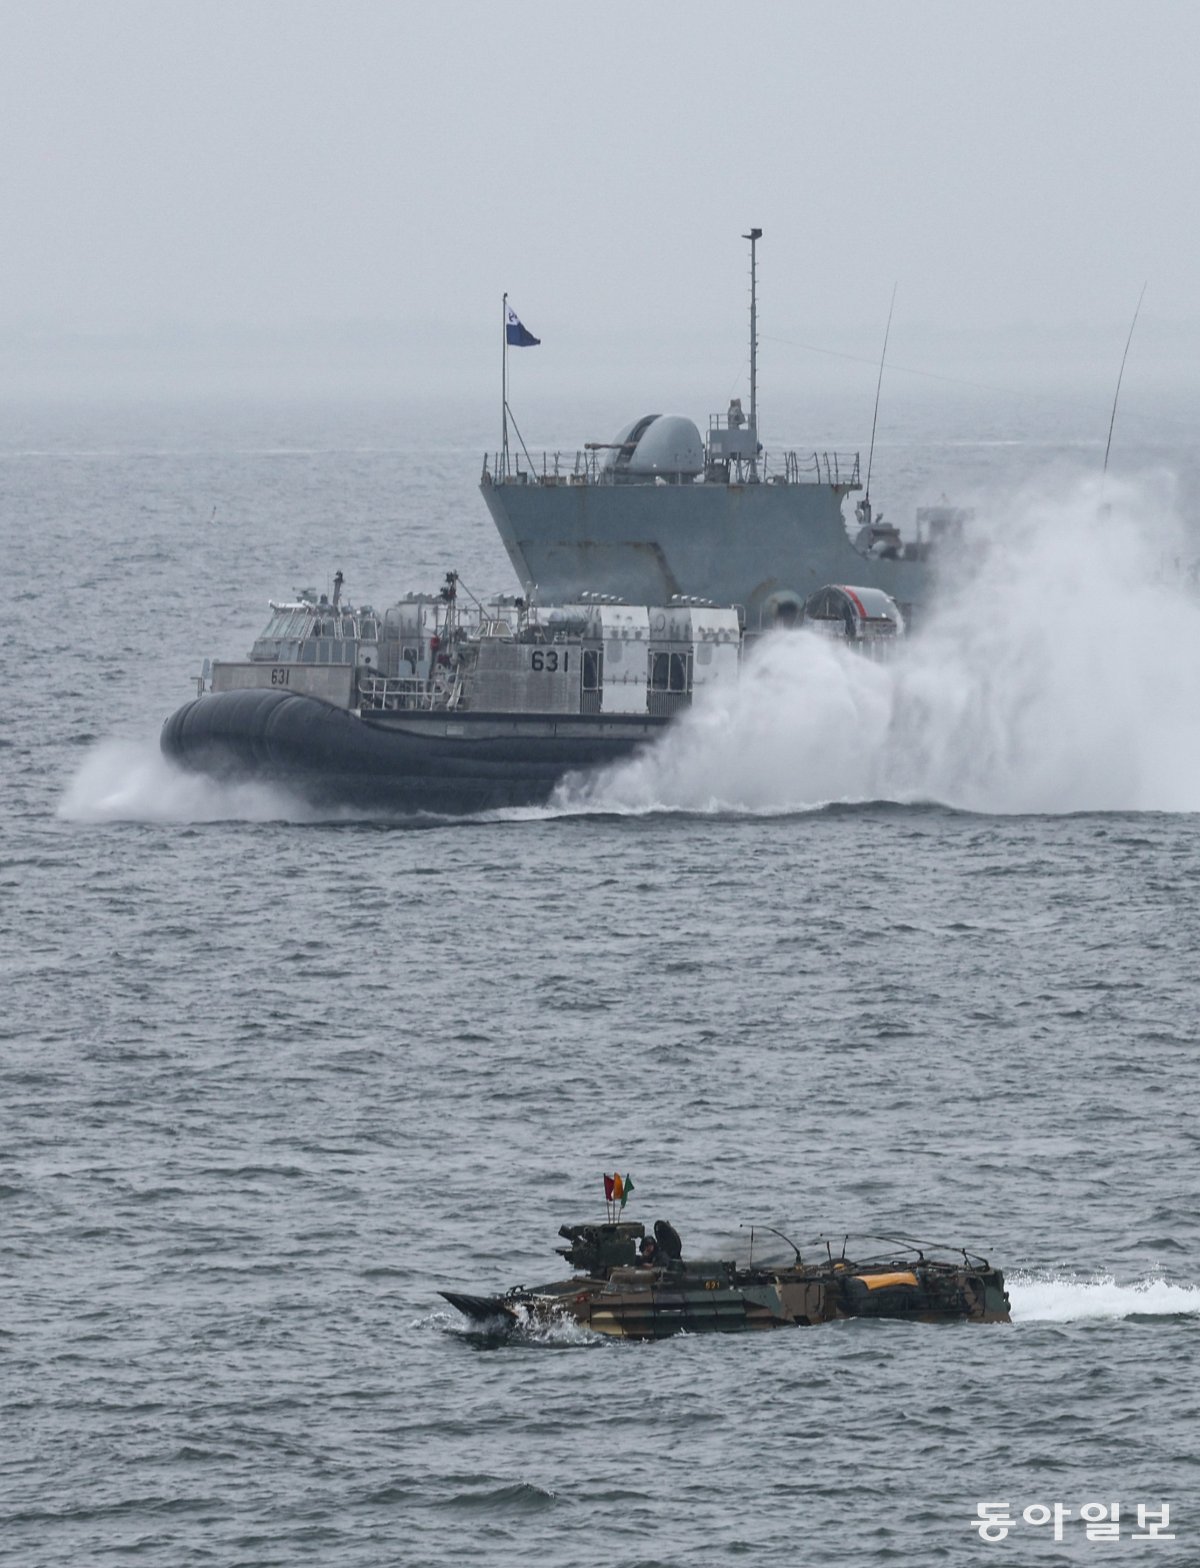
[327, 650]
[593, 669]
[670, 672]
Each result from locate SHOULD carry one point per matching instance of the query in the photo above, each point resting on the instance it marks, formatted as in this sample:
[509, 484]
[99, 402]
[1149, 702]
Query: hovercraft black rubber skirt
[329, 756]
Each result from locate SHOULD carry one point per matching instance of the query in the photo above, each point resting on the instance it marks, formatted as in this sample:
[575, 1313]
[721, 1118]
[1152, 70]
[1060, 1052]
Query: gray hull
[734, 544]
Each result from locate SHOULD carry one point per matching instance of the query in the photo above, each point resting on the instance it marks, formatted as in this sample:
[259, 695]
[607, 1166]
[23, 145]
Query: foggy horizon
[287, 200]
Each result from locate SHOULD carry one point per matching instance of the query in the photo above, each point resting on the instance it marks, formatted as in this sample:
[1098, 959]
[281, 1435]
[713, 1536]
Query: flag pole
[504, 387]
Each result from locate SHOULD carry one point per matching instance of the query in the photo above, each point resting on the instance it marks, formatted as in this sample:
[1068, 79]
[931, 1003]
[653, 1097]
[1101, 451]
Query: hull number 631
[280, 677]
[549, 659]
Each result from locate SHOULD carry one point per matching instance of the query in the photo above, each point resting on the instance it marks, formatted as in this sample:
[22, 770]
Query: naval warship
[661, 510]
[445, 703]
[632, 1286]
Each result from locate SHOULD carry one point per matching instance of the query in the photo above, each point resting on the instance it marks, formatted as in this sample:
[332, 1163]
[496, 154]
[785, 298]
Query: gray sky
[205, 181]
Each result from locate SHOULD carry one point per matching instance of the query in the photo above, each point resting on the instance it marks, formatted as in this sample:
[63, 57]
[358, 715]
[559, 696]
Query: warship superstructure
[661, 509]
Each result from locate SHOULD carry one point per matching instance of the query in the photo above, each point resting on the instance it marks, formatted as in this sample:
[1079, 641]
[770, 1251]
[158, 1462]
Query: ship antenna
[875, 417]
[1112, 421]
[754, 236]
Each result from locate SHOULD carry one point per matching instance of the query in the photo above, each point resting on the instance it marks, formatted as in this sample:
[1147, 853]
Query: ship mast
[754, 236]
[504, 387]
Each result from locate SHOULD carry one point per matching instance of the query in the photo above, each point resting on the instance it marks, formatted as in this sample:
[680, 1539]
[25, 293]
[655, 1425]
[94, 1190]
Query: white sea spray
[1055, 674]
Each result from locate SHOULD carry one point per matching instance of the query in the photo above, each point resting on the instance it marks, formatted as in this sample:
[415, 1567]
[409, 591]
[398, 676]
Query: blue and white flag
[516, 335]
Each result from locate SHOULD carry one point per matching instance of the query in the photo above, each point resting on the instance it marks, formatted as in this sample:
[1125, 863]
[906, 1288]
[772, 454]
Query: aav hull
[654, 1292]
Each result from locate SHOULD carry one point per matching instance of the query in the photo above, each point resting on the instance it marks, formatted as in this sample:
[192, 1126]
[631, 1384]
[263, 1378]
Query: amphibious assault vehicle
[633, 1286]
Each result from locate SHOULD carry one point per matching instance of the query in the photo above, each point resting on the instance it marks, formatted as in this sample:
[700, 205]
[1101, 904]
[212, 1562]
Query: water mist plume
[1056, 674]
[131, 781]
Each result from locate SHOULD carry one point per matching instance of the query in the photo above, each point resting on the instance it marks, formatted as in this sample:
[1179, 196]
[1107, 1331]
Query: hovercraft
[447, 703]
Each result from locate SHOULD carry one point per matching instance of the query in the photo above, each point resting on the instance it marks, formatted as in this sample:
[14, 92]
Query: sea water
[894, 948]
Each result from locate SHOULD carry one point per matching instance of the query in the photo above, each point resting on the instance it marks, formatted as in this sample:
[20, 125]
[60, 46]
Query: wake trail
[1053, 1298]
